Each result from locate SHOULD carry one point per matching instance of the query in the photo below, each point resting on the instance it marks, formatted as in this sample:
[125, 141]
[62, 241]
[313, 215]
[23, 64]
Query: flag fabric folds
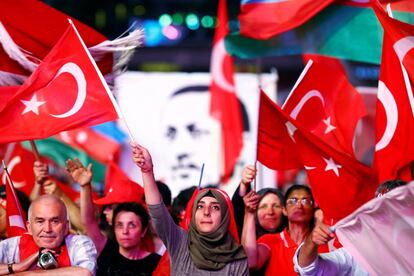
[329, 109]
[275, 149]
[340, 184]
[224, 105]
[394, 150]
[262, 19]
[379, 235]
[66, 91]
[19, 163]
[26, 22]
[98, 146]
[335, 31]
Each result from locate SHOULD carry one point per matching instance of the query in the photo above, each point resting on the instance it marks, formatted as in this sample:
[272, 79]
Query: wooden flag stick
[254, 180]
[34, 150]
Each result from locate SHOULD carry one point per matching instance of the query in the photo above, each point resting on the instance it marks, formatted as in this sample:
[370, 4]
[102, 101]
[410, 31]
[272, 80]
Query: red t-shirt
[282, 248]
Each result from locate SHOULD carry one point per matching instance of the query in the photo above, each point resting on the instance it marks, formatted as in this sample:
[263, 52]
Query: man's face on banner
[192, 138]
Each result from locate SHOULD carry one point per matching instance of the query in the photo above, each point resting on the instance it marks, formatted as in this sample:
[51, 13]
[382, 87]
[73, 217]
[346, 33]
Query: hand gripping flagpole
[108, 91]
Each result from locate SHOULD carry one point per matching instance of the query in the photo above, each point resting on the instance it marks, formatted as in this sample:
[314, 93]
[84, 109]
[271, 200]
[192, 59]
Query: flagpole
[107, 89]
[34, 150]
[201, 177]
[10, 183]
[301, 76]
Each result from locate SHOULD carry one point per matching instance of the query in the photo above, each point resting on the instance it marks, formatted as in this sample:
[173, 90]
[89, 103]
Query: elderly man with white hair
[48, 248]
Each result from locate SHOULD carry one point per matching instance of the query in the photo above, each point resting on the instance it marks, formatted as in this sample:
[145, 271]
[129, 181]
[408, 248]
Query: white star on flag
[331, 165]
[329, 126]
[32, 105]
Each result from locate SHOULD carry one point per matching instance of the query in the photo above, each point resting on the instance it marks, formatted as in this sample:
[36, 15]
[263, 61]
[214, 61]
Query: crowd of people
[203, 232]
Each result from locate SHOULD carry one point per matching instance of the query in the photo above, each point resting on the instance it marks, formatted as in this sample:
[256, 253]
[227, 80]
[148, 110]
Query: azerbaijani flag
[262, 19]
[341, 30]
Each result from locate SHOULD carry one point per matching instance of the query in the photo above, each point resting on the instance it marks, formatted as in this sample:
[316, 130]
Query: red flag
[15, 217]
[66, 91]
[26, 22]
[6, 94]
[275, 148]
[20, 166]
[262, 19]
[224, 104]
[328, 109]
[98, 146]
[119, 188]
[340, 184]
[394, 150]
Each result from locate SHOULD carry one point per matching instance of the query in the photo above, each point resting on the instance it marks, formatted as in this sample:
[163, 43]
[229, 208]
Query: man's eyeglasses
[295, 201]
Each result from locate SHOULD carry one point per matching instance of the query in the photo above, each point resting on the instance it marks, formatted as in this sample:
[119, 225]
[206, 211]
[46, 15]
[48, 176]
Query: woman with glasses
[276, 251]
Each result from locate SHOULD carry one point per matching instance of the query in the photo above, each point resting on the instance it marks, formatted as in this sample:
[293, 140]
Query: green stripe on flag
[59, 152]
[340, 31]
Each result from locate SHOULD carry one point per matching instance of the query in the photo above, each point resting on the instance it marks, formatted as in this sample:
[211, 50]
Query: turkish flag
[275, 148]
[224, 105]
[329, 109]
[15, 217]
[394, 150]
[340, 183]
[6, 94]
[19, 162]
[26, 22]
[65, 92]
[98, 146]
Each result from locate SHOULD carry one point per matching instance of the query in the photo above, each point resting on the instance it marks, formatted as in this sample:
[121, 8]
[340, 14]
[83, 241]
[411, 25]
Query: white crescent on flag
[391, 111]
[402, 47]
[10, 166]
[77, 73]
[303, 101]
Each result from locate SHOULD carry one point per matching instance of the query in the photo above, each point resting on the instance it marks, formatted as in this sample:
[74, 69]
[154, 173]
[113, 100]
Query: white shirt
[81, 251]
[338, 262]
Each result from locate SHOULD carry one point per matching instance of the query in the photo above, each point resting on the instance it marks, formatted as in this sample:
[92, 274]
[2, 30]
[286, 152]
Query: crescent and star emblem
[33, 104]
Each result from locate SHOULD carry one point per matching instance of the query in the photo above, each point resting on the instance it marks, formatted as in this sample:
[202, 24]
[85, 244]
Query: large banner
[169, 114]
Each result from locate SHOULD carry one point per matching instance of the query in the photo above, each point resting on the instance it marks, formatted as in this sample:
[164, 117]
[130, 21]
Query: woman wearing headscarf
[208, 248]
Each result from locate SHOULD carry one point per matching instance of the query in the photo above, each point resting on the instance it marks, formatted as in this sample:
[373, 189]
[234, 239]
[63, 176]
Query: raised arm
[83, 176]
[248, 175]
[257, 254]
[309, 251]
[143, 160]
[41, 173]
